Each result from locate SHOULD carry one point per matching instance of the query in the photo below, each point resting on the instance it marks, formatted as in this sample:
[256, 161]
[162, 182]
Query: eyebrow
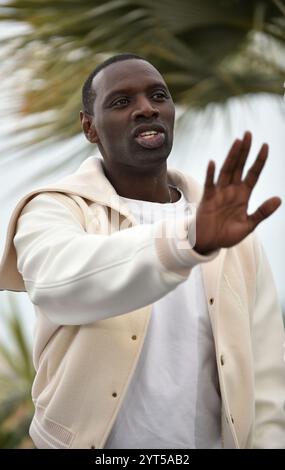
[125, 91]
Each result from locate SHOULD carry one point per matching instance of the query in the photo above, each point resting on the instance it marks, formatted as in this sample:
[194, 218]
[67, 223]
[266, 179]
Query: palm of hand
[222, 219]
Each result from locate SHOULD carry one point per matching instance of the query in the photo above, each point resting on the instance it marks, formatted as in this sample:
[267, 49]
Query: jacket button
[232, 419]
[92, 447]
[211, 301]
[134, 337]
[114, 394]
[222, 359]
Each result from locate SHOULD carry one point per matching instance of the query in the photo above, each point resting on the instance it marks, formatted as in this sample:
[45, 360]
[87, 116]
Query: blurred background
[224, 62]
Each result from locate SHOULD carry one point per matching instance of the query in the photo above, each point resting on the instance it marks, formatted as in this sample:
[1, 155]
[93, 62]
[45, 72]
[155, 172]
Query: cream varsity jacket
[64, 248]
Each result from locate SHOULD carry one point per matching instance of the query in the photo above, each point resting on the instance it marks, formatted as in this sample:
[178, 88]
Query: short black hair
[88, 95]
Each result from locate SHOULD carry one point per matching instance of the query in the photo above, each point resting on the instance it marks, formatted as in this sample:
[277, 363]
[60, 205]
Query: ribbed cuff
[174, 245]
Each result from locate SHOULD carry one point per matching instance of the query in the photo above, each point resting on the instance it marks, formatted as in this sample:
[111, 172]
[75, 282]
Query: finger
[254, 172]
[264, 211]
[209, 181]
[229, 165]
[246, 144]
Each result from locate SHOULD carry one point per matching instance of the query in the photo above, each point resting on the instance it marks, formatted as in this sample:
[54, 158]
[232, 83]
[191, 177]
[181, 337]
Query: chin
[150, 161]
[151, 156]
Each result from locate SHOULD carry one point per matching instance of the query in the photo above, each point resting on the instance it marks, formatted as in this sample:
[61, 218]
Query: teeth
[148, 133]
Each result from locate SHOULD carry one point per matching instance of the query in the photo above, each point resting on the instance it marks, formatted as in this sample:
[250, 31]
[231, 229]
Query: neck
[147, 186]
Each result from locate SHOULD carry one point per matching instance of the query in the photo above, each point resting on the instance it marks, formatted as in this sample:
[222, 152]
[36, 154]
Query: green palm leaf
[16, 377]
[203, 48]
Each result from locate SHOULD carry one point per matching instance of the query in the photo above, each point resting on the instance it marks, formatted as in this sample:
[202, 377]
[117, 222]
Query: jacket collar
[90, 182]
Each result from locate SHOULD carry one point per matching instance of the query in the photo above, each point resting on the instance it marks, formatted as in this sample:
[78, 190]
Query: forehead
[124, 74]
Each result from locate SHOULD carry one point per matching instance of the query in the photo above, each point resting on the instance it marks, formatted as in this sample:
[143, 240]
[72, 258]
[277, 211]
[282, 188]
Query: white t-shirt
[173, 400]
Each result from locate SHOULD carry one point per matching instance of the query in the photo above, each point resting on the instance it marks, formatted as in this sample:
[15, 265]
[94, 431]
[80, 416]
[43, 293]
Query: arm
[268, 342]
[78, 278]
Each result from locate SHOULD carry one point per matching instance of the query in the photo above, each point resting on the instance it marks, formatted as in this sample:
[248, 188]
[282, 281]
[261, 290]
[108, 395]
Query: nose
[144, 108]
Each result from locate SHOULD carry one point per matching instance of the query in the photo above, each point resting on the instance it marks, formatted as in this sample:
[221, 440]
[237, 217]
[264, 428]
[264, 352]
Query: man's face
[134, 114]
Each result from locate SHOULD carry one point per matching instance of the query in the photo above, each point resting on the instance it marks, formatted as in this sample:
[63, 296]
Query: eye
[159, 96]
[120, 102]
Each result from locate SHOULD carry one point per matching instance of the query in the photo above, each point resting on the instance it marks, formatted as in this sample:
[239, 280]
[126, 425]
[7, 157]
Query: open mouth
[150, 139]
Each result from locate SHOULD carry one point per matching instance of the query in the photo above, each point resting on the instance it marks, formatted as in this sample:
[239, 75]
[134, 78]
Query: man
[147, 336]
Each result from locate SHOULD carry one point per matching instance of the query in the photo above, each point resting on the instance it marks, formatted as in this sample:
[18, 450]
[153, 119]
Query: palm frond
[16, 377]
[203, 48]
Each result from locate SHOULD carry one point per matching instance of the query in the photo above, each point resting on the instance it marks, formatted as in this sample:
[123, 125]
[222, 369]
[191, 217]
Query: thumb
[264, 211]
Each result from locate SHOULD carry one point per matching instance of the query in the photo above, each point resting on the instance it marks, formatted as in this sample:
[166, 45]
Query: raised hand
[222, 219]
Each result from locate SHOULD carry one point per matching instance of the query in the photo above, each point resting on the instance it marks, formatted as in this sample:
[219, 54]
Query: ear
[88, 127]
